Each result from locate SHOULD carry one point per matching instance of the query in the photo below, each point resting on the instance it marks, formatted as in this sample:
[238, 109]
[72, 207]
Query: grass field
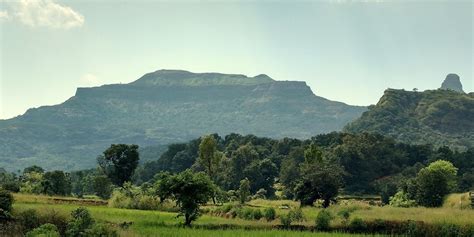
[158, 223]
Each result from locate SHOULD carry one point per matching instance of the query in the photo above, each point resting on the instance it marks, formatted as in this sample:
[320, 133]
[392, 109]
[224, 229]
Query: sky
[348, 51]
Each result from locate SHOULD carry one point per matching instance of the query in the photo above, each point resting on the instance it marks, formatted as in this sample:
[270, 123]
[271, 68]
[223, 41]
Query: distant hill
[163, 107]
[441, 117]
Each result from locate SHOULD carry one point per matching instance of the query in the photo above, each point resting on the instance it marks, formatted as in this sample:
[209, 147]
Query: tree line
[313, 170]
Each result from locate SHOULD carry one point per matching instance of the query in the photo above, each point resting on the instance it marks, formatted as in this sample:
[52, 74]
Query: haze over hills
[163, 107]
[442, 117]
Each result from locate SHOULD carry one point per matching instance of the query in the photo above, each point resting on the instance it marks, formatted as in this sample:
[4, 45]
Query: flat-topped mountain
[439, 117]
[164, 107]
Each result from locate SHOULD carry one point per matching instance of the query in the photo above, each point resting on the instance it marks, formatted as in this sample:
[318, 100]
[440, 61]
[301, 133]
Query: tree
[119, 162]
[208, 155]
[435, 182]
[80, 222]
[244, 190]
[33, 168]
[102, 186]
[31, 182]
[6, 202]
[189, 190]
[56, 183]
[320, 179]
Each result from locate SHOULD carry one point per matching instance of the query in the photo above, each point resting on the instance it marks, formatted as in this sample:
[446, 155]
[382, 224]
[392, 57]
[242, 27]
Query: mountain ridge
[70, 135]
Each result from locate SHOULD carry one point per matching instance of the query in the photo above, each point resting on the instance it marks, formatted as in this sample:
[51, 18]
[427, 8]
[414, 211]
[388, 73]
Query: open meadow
[131, 222]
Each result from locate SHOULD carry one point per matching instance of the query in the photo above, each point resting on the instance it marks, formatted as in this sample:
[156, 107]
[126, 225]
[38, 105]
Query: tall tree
[244, 190]
[320, 178]
[119, 162]
[208, 155]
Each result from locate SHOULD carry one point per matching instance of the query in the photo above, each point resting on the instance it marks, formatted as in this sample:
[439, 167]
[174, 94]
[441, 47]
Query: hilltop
[440, 117]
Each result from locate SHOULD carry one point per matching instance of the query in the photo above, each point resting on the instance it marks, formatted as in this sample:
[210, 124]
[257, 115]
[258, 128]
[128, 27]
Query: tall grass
[458, 201]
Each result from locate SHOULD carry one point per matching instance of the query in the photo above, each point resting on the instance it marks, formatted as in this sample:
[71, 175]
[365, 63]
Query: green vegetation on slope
[437, 117]
[165, 107]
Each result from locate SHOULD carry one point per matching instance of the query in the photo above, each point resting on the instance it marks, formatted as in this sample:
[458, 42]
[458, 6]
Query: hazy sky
[349, 51]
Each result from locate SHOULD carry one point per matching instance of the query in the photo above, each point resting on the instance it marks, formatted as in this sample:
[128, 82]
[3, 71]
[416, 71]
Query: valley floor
[159, 223]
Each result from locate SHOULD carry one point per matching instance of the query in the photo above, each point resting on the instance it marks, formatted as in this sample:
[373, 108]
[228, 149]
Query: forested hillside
[371, 163]
[439, 117]
[164, 107]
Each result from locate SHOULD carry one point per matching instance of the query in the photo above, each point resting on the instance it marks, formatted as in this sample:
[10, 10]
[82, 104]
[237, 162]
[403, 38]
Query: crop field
[132, 222]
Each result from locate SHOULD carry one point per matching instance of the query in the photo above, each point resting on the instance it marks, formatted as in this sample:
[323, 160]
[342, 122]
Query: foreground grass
[188, 232]
[158, 223]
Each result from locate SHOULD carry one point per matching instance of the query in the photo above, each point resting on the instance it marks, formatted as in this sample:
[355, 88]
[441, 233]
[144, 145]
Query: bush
[120, 200]
[257, 214]
[146, 202]
[296, 215]
[286, 220]
[323, 220]
[345, 214]
[269, 213]
[81, 221]
[100, 230]
[28, 219]
[245, 213]
[46, 230]
[357, 225]
[400, 199]
[6, 202]
[56, 218]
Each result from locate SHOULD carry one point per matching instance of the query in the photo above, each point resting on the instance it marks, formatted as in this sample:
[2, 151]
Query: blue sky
[349, 51]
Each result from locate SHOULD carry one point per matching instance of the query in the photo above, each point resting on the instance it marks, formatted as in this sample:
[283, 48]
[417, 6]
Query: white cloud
[46, 13]
[89, 79]
[4, 15]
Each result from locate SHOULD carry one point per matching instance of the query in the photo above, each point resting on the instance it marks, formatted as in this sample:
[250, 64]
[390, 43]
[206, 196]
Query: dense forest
[371, 164]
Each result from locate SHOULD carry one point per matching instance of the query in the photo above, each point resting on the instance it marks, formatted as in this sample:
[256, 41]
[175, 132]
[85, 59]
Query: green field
[159, 223]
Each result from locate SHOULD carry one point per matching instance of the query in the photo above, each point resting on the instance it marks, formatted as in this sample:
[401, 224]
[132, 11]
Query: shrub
[269, 213]
[257, 214]
[296, 215]
[28, 219]
[46, 230]
[6, 202]
[100, 230]
[323, 220]
[120, 200]
[357, 225]
[81, 221]
[286, 220]
[345, 214]
[245, 213]
[146, 202]
[400, 199]
[56, 218]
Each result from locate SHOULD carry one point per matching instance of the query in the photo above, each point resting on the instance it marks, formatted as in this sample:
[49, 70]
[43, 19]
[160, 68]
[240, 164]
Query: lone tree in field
[209, 157]
[119, 162]
[434, 182]
[244, 190]
[189, 190]
[320, 178]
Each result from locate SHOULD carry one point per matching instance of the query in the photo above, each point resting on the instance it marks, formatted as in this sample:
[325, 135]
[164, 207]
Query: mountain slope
[440, 117]
[163, 107]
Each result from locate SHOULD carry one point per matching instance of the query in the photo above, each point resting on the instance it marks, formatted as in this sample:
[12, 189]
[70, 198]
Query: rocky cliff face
[164, 107]
[452, 82]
